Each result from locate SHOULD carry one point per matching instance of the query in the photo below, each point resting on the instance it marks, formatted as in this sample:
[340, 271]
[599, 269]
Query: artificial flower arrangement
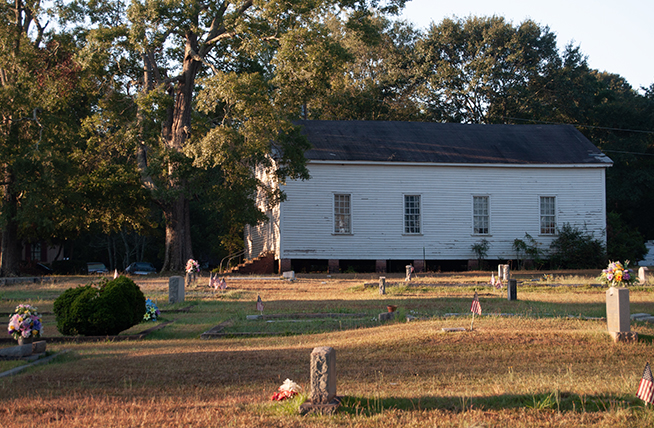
[617, 275]
[192, 266]
[25, 322]
[151, 311]
[288, 389]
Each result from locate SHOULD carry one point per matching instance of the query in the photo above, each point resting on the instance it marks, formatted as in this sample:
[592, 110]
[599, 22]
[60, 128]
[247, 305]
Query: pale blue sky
[616, 35]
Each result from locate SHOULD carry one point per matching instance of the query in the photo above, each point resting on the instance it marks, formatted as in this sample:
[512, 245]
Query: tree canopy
[151, 119]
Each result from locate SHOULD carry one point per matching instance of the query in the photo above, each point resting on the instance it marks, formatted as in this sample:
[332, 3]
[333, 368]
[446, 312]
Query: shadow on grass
[645, 338]
[557, 401]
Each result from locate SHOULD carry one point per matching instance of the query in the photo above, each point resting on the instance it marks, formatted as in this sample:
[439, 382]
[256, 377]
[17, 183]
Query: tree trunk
[176, 131]
[178, 235]
[10, 248]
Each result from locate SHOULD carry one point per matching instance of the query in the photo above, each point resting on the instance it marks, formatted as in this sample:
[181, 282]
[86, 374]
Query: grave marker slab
[322, 397]
[16, 351]
[175, 289]
[617, 310]
[512, 289]
[503, 273]
[639, 315]
[642, 275]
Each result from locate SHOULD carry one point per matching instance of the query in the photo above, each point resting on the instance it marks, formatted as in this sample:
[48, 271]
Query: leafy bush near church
[574, 249]
[100, 310]
[624, 242]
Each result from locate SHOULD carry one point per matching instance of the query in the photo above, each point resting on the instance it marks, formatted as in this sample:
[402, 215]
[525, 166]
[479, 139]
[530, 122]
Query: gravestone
[409, 272]
[175, 289]
[16, 352]
[512, 289]
[642, 275]
[322, 397]
[617, 309]
[289, 276]
[382, 285]
[191, 279]
[387, 316]
[618, 318]
[503, 273]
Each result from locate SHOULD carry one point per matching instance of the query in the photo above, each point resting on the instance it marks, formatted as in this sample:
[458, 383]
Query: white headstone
[503, 273]
[642, 275]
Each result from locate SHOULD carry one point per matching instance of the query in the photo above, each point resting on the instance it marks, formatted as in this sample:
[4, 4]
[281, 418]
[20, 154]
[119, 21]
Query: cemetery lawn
[544, 360]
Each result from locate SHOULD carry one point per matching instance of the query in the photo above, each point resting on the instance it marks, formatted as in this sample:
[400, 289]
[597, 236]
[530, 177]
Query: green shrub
[574, 249]
[107, 309]
[528, 252]
[624, 242]
[481, 251]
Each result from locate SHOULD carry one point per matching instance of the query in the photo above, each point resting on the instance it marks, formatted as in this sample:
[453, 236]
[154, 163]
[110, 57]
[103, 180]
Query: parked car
[96, 267]
[141, 268]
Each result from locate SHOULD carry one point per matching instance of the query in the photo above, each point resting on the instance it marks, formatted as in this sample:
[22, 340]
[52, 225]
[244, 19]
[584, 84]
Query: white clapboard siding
[377, 200]
[265, 237]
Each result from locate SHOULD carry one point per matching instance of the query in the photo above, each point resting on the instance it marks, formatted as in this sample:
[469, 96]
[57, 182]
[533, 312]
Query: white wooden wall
[306, 217]
[263, 238]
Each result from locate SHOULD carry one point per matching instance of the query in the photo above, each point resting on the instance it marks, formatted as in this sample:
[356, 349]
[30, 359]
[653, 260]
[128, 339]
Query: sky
[616, 36]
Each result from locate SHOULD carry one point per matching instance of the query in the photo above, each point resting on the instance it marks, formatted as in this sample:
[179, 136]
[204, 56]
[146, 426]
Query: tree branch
[218, 31]
[194, 55]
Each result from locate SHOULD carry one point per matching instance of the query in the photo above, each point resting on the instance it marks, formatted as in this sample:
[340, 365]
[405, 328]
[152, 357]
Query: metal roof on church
[449, 143]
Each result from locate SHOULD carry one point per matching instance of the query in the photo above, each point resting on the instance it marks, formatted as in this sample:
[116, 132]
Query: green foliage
[481, 250]
[624, 241]
[574, 249]
[531, 250]
[107, 309]
[520, 248]
[477, 69]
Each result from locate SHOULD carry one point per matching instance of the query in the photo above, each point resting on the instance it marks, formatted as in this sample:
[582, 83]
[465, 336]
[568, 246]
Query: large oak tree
[207, 94]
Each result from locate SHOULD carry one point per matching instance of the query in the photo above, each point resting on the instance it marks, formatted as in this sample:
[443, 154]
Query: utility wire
[594, 127]
[581, 125]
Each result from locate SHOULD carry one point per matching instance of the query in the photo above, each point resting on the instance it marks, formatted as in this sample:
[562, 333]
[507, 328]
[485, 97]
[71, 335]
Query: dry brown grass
[510, 371]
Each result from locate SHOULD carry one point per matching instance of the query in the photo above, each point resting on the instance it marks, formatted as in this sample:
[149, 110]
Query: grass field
[544, 360]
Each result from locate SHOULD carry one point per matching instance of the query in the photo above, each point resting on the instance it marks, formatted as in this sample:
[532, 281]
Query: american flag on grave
[259, 304]
[646, 386]
[476, 306]
[213, 281]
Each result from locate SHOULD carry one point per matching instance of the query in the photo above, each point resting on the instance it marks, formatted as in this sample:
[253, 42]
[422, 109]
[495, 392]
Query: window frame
[336, 214]
[35, 251]
[405, 214]
[475, 216]
[547, 229]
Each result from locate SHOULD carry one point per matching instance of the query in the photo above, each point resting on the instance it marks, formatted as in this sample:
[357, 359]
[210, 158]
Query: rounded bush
[103, 310]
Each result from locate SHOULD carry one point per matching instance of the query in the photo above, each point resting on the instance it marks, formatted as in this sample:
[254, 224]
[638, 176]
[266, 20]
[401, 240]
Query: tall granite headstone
[617, 309]
[618, 315]
[176, 289]
[512, 289]
[322, 397]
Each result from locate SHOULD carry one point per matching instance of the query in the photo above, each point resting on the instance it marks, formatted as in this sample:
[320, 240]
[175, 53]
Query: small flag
[223, 285]
[115, 273]
[646, 387]
[498, 283]
[492, 281]
[476, 307]
[259, 304]
[213, 281]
